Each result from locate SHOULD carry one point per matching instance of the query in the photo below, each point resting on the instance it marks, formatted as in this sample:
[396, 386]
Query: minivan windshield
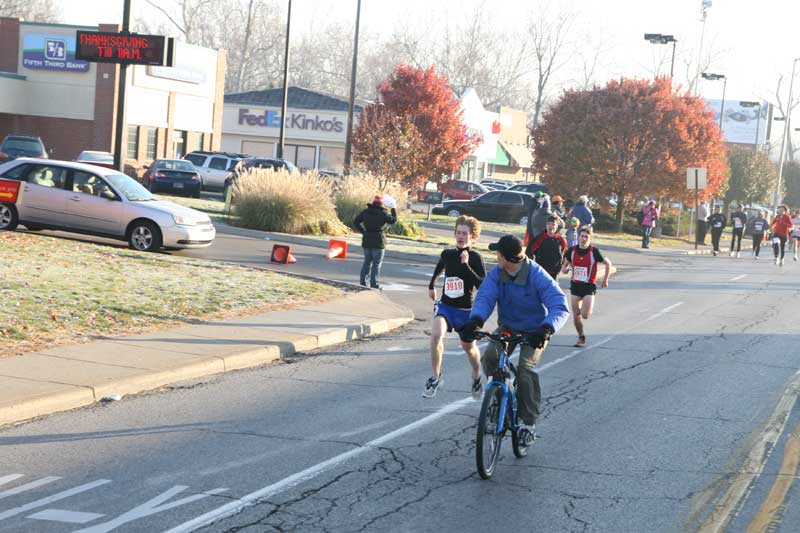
[24, 145]
[130, 189]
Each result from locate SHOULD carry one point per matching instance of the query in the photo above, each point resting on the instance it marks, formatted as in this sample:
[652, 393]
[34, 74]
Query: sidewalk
[59, 379]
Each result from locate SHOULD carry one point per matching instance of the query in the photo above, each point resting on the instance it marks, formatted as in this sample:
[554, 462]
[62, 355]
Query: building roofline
[56, 25]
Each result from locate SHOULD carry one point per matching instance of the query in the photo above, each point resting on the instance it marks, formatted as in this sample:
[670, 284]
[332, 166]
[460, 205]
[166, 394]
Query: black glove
[538, 338]
[472, 326]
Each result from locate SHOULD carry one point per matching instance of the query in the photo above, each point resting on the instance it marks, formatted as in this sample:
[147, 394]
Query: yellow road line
[767, 515]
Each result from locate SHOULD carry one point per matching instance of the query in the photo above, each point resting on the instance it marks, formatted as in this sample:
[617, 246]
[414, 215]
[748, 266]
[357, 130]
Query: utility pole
[284, 103]
[348, 146]
[119, 125]
[786, 131]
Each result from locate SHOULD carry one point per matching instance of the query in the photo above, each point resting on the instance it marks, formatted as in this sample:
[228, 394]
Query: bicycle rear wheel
[488, 439]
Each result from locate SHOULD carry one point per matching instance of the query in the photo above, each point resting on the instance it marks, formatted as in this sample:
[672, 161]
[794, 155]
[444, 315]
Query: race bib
[758, 227]
[776, 240]
[737, 223]
[718, 224]
[580, 274]
[453, 287]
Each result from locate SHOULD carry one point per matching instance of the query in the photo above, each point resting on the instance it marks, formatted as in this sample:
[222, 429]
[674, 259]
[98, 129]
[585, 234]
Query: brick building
[71, 104]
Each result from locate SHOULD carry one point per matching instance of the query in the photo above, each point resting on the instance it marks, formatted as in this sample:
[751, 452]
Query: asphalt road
[678, 415]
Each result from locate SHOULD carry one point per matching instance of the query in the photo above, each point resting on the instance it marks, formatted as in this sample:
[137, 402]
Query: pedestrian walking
[650, 214]
[583, 260]
[548, 249]
[558, 208]
[702, 223]
[760, 227]
[717, 224]
[373, 222]
[738, 223]
[464, 271]
[781, 226]
[582, 212]
[795, 233]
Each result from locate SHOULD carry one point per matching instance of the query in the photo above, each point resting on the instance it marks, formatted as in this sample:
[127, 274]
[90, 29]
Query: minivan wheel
[454, 213]
[145, 237]
[524, 220]
[8, 217]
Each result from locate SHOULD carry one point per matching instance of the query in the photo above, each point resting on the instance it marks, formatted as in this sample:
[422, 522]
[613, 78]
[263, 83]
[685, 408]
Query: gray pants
[529, 393]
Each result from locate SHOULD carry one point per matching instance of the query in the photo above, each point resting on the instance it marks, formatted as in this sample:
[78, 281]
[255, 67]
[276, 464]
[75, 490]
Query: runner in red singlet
[583, 259]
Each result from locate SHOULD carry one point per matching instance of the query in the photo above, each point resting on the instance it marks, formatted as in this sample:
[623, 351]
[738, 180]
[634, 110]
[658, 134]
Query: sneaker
[795, 258]
[776, 261]
[476, 388]
[581, 342]
[738, 255]
[781, 263]
[431, 386]
[715, 253]
[756, 257]
[732, 253]
[527, 432]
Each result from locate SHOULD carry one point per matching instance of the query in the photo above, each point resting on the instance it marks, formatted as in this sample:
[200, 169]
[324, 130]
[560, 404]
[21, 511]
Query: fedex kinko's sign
[297, 121]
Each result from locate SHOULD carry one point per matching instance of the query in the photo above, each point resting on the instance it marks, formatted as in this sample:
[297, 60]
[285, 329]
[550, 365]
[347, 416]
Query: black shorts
[582, 289]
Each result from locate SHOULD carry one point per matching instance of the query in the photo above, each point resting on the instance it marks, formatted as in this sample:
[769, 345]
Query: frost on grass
[55, 291]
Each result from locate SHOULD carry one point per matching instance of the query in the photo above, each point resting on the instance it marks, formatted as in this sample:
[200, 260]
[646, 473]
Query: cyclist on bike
[529, 302]
[464, 271]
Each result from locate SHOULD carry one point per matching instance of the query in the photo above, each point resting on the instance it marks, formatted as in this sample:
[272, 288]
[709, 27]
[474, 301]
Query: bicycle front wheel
[487, 444]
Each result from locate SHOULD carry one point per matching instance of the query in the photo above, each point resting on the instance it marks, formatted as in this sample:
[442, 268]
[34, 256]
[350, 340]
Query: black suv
[257, 162]
[15, 146]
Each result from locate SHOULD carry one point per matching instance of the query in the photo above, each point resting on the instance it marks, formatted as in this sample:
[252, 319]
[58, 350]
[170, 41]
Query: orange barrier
[282, 254]
[337, 249]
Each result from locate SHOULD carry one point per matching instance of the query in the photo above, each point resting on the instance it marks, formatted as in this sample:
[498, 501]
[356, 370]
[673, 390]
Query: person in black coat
[717, 224]
[373, 222]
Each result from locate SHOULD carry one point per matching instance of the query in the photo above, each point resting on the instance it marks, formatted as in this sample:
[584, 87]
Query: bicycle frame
[507, 393]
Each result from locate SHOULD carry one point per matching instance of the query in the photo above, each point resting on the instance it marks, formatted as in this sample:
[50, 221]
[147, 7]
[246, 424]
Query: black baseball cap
[510, 247]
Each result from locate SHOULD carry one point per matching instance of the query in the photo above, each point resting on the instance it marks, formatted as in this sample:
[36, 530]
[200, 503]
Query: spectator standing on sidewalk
[558, 208]
[738, 223]
[702, 227]
[650, 214]
[717, 224]
[582, 212]
[781, 226]
[373, 222]
[760, 226]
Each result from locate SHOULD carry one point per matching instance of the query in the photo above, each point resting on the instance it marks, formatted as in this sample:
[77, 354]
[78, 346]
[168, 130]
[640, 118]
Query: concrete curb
[51, 396]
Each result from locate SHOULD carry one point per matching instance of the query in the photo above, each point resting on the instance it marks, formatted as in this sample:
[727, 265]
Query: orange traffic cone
[337, 249]
[282, 254]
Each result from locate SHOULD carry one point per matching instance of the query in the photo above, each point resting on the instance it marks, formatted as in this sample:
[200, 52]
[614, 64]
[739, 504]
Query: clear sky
[754, 41]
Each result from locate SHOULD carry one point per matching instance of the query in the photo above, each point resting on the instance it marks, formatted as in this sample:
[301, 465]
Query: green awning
[500, 157]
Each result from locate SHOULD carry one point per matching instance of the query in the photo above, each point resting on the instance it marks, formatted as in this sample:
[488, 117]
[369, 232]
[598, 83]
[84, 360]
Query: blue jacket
[582, 213]
[524, 303]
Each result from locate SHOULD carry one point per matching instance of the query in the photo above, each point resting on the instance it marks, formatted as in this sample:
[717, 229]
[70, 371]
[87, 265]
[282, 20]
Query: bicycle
[496, 417]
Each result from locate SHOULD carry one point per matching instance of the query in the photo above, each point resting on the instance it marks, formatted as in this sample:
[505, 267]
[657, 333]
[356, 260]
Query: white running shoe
[781, 263]
[731, 254]
[738, 255]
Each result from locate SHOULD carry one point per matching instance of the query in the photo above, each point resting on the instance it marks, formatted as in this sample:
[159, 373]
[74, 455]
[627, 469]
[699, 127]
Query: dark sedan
[176, 176]
[500, 206]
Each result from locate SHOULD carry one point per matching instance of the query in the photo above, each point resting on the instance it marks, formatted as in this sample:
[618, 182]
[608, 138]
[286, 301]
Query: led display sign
[125, 48]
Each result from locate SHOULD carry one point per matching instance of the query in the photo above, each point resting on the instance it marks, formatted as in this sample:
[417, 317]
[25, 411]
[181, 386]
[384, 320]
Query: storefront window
[306, 157]
[133, 142]
[179, 143]
[152, 143]
[331, 158]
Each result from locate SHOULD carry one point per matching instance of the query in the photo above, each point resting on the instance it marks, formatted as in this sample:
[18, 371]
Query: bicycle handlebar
[517, 338]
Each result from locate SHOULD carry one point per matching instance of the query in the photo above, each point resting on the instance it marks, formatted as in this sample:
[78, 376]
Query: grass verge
[55, 291]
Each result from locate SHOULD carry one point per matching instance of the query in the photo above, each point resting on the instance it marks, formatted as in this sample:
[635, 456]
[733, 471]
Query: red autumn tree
[425, 100]
[631, 138]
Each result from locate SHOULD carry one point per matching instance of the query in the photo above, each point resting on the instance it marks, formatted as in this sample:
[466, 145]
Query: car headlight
[183, 221]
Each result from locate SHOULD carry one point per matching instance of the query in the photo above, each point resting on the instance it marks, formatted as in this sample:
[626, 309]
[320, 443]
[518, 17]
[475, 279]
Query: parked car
[502, 206]
[530, 187]
[496, 186]
[21, 146]
[491, 182]
[100, 159]
[257, 162]
[69, 196]
[214, 167]
[174, 176]
[461, 190]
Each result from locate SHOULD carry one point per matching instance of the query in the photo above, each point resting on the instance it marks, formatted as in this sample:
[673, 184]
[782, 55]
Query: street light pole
[757, 105]
[348, 146]
[119, 125]
[657, 38]
[715, 77]
[783, 142]
[285, 102]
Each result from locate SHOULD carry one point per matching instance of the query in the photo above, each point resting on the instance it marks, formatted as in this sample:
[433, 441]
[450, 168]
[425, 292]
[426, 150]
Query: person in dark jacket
[548, 248]
[582, 212]
[372, 222]
[760, 228]
[716, 223]
[738, 223]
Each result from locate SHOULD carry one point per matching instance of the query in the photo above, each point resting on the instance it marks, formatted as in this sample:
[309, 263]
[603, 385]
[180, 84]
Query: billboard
[740, 124]
[51, 52]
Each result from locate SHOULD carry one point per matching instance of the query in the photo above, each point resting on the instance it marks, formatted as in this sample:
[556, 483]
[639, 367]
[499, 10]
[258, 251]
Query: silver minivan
[80, 198]
[213, 167]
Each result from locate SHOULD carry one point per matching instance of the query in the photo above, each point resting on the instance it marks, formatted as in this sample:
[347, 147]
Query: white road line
[315, 470]
[66, 517]
[28, 486]
[737, 278]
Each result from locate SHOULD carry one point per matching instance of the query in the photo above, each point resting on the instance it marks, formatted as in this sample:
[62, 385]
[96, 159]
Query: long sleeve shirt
[460, 279]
